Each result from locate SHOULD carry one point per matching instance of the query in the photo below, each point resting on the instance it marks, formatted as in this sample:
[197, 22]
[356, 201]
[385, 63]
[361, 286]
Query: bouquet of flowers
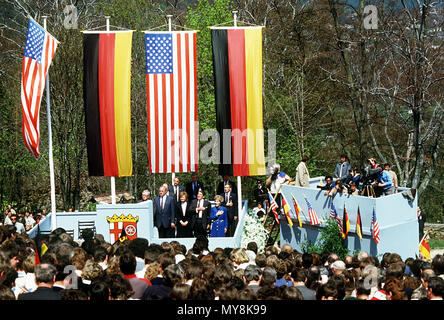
[254, 231]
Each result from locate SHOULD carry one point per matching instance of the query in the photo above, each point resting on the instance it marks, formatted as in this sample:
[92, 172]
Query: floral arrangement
[254, 231]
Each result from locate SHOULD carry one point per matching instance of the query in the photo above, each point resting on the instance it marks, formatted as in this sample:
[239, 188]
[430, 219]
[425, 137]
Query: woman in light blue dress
[219, 217]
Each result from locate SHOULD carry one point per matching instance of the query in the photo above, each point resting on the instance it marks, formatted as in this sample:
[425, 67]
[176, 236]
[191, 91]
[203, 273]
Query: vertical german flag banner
[359, 225]
[345, 224]
[424, 247]
[237, 62]
[286, 208]
[106, 92]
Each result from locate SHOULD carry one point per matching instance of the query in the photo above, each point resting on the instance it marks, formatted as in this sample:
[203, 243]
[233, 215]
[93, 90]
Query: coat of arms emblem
[122, 222]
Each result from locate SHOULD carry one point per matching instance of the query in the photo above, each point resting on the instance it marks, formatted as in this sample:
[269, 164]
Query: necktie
[226, 197]
[177, 194]
[161, 203]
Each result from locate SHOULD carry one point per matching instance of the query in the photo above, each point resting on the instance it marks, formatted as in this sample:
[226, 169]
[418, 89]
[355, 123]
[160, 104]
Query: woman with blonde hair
[239, 258]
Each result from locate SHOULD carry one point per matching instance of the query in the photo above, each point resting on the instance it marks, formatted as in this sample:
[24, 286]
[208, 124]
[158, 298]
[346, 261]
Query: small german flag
[345, 224]
[359, 225]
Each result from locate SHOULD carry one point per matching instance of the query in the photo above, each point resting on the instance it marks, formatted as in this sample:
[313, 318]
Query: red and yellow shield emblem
[122, 222]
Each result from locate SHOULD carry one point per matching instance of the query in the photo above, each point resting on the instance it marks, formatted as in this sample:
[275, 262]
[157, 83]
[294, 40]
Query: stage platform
[396, 214]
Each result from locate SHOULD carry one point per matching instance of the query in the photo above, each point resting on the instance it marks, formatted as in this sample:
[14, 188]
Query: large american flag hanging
[375, 227]
[39, 50]
[171, 101]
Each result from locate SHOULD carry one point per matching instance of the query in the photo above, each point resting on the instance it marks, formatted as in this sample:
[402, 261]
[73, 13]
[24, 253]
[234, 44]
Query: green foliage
[329, 241]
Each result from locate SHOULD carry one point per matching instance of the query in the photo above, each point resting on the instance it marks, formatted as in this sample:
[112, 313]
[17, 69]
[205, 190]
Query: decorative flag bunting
[359, 225]
[237, 62]
[424, 247]
[312, 214]
[334, 215]
[375, 227]
[171, 88]
[273, 206]
[345, 224]
[107, 83]
[39, 51]
[297, 210]
[286, 208]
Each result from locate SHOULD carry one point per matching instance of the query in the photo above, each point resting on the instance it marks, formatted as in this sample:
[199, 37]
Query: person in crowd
[193, 187]
[200, 220]
[20, 228]
[29, 220]
[274, 182]
[252, 277]
[126, 198]
[259, 211]
[219, 218]
[384, 183]
[299, 278]
[260, 193]
[127, 263]
[175, 189]
[338, 188]
[230, 203]
[45, 274]
[353, 189]
[342, 168]
[164, 214]
[221, 185]
[329, 184]
[145, 196]
[421, 221]
[302, 178]
[184, 216]
[435, 288]
[393, 175]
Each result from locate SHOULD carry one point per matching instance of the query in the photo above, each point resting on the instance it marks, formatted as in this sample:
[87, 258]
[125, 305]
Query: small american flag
[274, 206]
[334, 215]
[375, 227]
[171, 84]
[39, 50]
[314, 220]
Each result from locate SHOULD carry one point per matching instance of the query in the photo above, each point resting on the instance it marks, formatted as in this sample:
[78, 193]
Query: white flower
[254, 231]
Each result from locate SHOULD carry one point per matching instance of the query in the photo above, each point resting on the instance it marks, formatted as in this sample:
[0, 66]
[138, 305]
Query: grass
[436, 243]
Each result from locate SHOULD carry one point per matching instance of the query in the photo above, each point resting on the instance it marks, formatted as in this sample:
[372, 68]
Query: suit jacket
[171, 191]
[221, 185]
[205, 213]
[188, 212]
[41, 293]
[192, 194]
[231, 210]
[164, 218]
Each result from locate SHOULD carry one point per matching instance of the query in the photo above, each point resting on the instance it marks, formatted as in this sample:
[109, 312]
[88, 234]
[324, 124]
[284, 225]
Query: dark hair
[138, 246]
[73, 294]
[100, 254]
[299, 275]
[119, 286]
[304, 158]
[291, 293]
[180, 291]
[6, 293]
[252, 246]
[99, 291]
[326, 290]
[307, 260]
[252, 272]
[261, 260]
[127, 263]
[436, 284]
[438, 264]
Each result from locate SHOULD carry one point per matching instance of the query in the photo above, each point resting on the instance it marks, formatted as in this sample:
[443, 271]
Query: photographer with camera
[371, 173]
[384, 183]
[275, 180]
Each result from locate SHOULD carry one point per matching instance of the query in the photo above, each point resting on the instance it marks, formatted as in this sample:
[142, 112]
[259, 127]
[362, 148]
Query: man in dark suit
[200, 221]
[45, 274]
[221, 186]
[230, 202]
[164, 213]
[193, 187]
[176, 189]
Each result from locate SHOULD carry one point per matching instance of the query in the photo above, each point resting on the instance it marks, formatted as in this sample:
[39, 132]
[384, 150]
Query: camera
[275, 174]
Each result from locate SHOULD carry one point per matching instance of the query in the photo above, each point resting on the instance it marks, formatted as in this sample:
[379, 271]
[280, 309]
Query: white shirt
[199, 204]
[184, 208]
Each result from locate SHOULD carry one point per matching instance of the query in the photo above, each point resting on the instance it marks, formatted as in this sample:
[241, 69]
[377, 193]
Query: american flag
[334, 215]
[171, 101]
[274, 206]
[312, 214]
[375, 227]
[39, 50]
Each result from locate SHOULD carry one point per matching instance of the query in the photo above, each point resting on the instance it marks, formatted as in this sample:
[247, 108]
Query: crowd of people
[137, 270]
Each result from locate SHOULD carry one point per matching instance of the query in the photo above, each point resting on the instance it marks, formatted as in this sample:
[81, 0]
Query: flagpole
[50, 154]
[113, 179]
[169, 16]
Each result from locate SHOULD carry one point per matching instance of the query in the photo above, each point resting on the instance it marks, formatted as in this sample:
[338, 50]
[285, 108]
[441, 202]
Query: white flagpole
[113, 179]
[50, 155]
[173, 174]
